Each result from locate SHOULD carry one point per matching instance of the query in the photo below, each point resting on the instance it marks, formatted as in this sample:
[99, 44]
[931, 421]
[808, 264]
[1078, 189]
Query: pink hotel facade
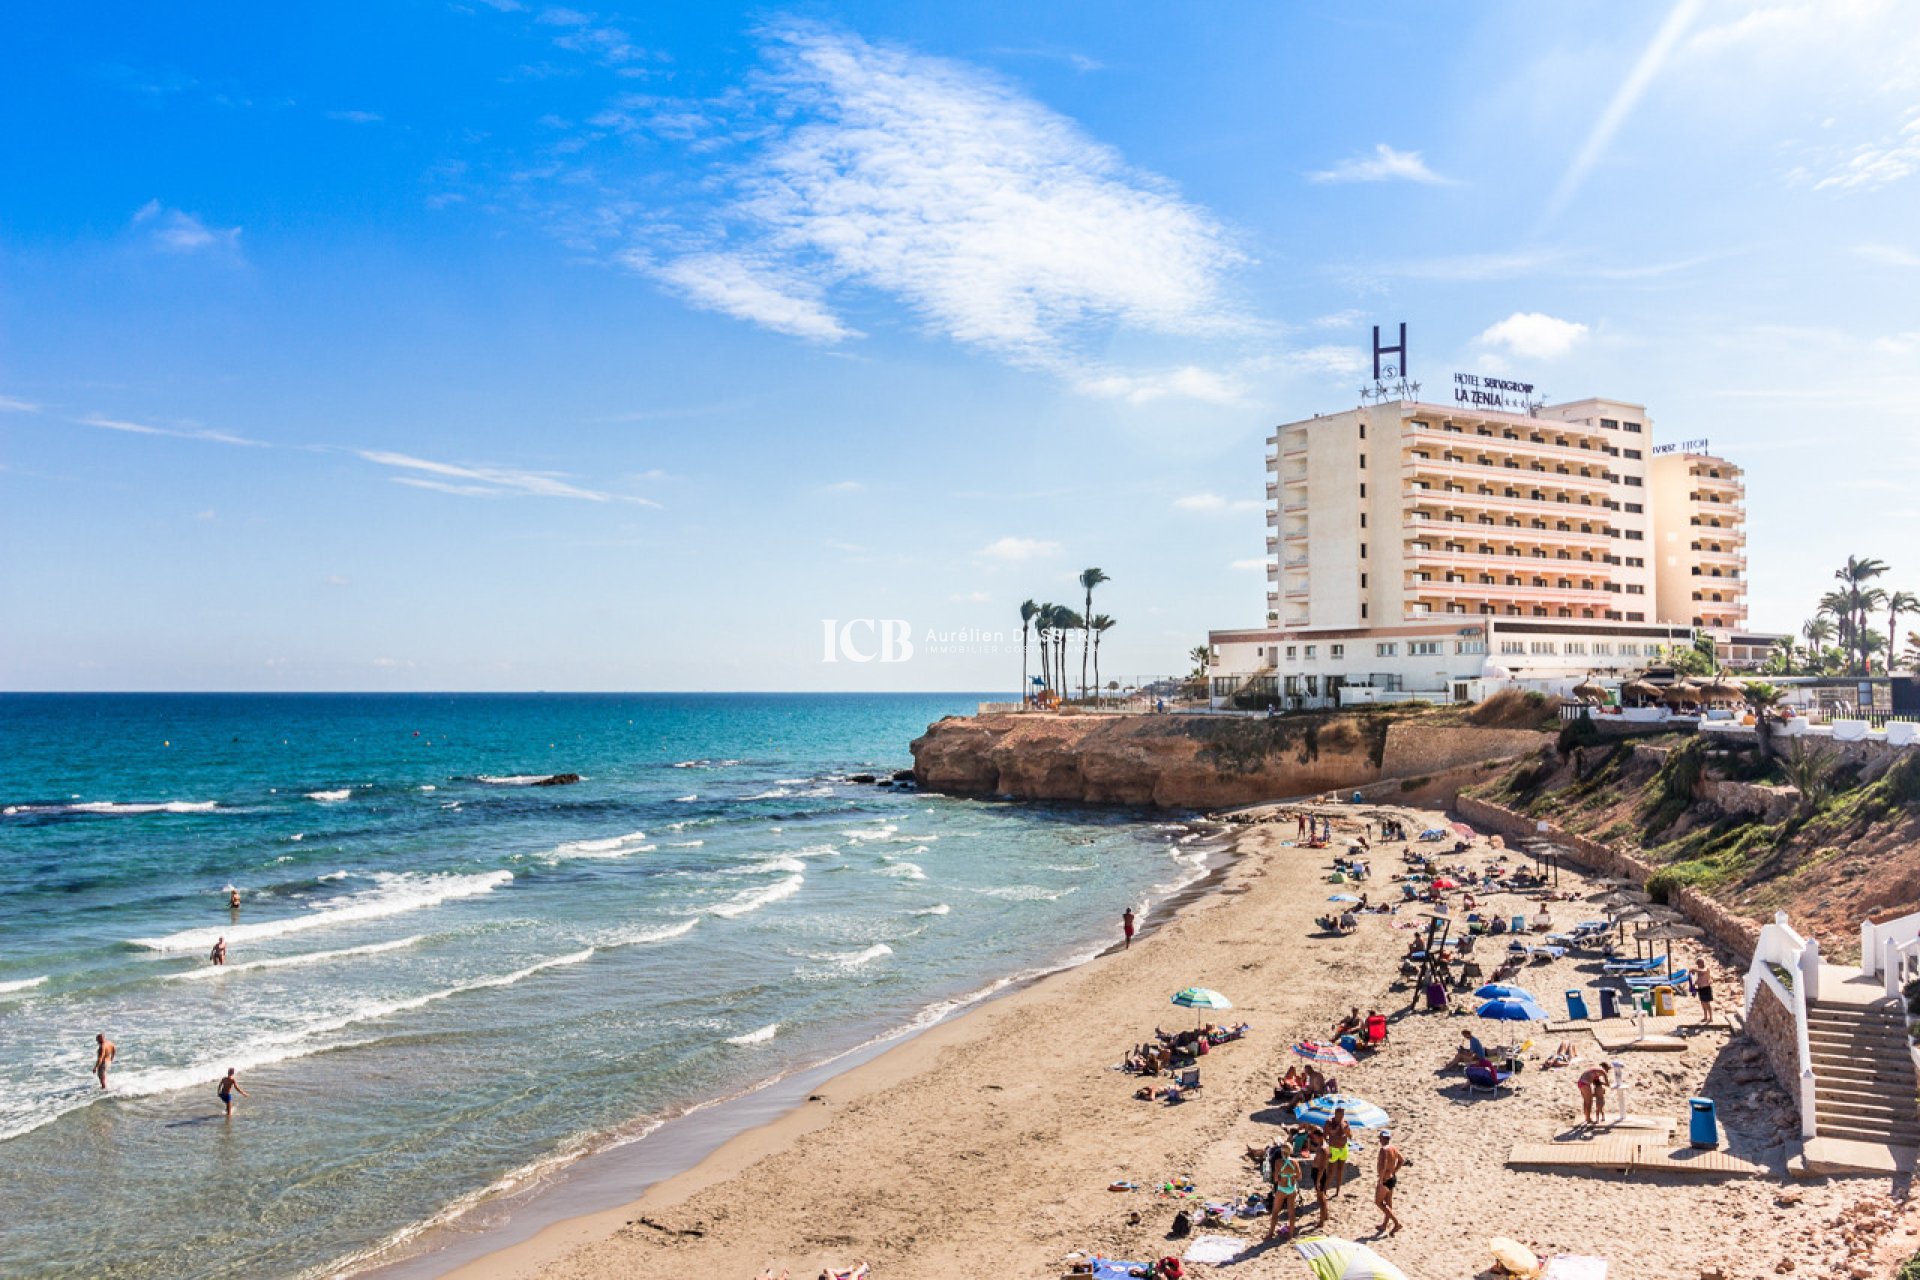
[1440, 551]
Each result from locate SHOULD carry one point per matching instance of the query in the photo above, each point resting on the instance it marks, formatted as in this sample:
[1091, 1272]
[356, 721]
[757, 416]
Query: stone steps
[1864, 1086]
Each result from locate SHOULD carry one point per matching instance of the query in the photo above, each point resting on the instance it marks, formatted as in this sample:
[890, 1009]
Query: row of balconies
[1584, 449]
[1514, 477]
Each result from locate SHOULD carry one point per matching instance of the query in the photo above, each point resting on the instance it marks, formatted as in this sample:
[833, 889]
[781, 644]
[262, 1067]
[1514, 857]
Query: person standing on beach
[1283, 1187]
[1317, 1161]
[219, 953]
[1126, 927]
[1593, 1094]
[102, 1057]
[1339, 1135]
[1387, 1177]
[230, 1086]
[1703, 987]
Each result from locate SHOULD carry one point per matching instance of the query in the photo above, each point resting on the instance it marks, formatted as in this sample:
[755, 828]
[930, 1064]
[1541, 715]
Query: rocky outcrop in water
[1191, 761]
[558, 780]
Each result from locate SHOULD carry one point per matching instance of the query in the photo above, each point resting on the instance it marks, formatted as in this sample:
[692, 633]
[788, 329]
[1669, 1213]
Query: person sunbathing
[1351, 1023]
[1561, 1057]
[859, 1271]
[1292, 1087]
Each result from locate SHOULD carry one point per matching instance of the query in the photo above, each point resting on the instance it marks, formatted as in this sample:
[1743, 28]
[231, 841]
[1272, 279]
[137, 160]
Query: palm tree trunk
[1023, 662]
[1046, 672]
[1096, 664]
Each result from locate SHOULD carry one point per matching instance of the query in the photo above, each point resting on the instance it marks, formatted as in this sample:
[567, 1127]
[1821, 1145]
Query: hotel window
[1363, 582]
[1630, 453]
[1636, 562]
[1386, 650]
[1363, 488]
[1635, 589]
[1603, 648]
[1577, 647]
[1363, 519]
[1631, 426]
[1636, 617]
[1423, 648]
[1610, 424]
[1542, 646]
[1312, 650]
[1363, 551]
[1512, 646]
[1336, 651]
[1290, 651]
[1470, 646]
[1363, 462]
[1634, 507]
[1634, 535]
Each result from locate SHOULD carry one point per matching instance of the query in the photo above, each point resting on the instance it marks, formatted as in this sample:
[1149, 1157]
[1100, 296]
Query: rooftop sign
[1494, 393]
[1681, 446]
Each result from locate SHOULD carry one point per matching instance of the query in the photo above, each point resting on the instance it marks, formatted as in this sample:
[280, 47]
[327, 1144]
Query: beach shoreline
[527, 1222]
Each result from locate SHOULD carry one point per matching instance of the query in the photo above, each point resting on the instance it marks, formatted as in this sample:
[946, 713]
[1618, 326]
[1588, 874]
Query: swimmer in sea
[103, 1057]
[233, 899]
[230, 1086]
[219, 953]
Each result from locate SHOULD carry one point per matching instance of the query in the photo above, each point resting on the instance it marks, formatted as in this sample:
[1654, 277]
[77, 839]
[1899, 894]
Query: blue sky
[502, 346]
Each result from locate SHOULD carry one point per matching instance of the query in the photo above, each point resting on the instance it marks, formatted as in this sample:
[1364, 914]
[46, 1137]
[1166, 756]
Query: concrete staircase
[1865, 1089]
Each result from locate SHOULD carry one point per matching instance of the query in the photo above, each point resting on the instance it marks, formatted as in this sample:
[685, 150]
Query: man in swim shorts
[1126, 927]
[1387, 1175]
[1339, 1136]
[228, 1087]
[219, 953]
[102, 1057]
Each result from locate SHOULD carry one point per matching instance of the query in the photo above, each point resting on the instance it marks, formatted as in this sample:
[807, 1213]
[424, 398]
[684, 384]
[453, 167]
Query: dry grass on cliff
[1857, 855]
[1515, 709]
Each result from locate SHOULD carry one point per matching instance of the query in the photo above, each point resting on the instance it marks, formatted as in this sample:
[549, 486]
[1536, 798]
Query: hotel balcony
[1501, 564]
[1725, 620]
[1426, 528]
[1273, 543]
[1726, 558]
[1522, 478]
[1476, 503]
[1498, 593]
[1704, 500]
[1273, 570]
[1273, 489]
[1472, 438]
[1273, 517]
[1722, 484]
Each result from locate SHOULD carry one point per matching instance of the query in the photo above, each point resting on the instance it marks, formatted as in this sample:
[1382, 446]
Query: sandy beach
[987, 1145]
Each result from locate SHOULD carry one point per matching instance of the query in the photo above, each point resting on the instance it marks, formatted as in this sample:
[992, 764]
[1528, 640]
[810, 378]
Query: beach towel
[1108, 1269]
[1223, 1249]
[1568, 1266]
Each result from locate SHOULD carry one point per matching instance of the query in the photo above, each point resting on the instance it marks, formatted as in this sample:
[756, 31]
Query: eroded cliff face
[1191, 761]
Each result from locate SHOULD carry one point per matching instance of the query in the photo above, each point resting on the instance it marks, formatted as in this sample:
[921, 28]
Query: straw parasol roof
[1620, 898]
[1591, 690]
[1724, 689]
[1645, 690]
[1684, 691]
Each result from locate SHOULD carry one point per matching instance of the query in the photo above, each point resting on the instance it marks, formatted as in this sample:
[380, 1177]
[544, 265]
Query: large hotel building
[1444, 551]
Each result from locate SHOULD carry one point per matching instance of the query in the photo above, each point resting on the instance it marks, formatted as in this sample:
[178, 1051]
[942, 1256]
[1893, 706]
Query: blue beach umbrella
[1501, 991]
[1513, 1010]
[1361, 1114]
[1201, 998]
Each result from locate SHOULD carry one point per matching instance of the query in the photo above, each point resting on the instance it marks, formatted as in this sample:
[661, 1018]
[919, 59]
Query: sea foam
[283, 962]
[761, 1036]
[113, 808]
[754, 899]
[395, 895]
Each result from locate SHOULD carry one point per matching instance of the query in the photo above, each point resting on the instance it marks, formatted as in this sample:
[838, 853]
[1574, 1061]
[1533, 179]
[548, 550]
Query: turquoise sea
[444, 983]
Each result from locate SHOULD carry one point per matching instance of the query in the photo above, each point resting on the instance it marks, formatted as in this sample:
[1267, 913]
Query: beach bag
[1182, 1225]
[1169, 1268]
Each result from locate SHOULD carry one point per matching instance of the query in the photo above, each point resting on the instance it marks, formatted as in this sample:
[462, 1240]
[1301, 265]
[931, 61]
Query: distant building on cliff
[1447, 551]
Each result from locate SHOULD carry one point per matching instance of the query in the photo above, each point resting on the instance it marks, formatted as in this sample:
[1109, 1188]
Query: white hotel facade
[1445, 552]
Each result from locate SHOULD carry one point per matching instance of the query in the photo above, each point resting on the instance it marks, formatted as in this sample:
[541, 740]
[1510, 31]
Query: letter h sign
[1381, 371]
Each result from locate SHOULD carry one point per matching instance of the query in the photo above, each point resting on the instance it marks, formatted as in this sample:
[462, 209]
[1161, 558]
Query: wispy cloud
[1382, 164]
[1214, 502]
[1535, 336]
[1189, 382]
[992, 219]
[1879, 163]
[1891, 255]
[13, 404]
[175, 231]
[356, 117]
[187, 432]
[843, 486]
[486, 481]
[1012, 550]
[1624, 100]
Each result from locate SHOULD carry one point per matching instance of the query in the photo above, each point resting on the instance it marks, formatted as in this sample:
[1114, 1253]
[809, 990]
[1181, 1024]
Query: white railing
[1779, 946]
[1891, 950]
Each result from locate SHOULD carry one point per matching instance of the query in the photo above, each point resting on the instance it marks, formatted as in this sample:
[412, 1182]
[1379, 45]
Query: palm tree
[1042, 628]
[1861, 600]
[1065, 621]
[1785, 649]
[1099, 624]
[1028, 609]
[1764, 698]
[1202, 656]
[1898, 602]
[1818, 630]
[1089, 578]
[1912, 656]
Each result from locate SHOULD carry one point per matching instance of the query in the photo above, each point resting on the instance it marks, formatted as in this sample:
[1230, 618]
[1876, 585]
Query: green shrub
[1671, 792]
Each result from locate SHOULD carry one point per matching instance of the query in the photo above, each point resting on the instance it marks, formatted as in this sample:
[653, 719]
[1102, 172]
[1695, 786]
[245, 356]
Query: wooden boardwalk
[1627, 1155]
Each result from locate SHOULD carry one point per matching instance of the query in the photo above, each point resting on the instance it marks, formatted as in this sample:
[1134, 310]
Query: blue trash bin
[1609, 1003]
[1702, 1130]
[1576, 1007]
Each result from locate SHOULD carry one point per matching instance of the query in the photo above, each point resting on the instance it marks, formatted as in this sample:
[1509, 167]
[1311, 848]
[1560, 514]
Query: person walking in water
[1126, 927]
[233, 899]
[219, 953]
[229, 1087]
[102, 1057]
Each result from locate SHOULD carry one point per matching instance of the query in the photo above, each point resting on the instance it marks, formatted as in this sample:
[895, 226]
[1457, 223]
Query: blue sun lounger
[1646, 982]
[1634, 966]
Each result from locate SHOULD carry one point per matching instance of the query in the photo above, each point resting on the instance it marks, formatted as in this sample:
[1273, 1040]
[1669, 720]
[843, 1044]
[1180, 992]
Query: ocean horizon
[446, 983]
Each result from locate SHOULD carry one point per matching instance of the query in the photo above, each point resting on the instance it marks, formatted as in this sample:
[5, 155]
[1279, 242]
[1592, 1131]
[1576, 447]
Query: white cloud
[1249, 566]
[489, 481]
[970, 597]
[356, 117]
[208, 514]
[1337, 319]
[993, 219]
[174, 231]
[1187, 382]
[13, 404]
[175, 433]
[1384, 164]
[1014, 550]
[1624, 100]
[1325, 358]
[758, 291]
[335, 580]
[1535, 336]
[1891, 255]
[1878, 164]
[1214, 502]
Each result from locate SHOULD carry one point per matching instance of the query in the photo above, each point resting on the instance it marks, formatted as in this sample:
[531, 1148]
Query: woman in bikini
[1283, 1177]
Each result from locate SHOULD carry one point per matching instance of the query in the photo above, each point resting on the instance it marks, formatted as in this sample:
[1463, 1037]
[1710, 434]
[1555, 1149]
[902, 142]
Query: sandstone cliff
[1193, 761]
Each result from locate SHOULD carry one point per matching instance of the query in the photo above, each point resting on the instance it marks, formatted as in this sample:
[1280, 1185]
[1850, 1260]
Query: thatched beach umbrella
[1666, 931]
[1641, 691]
[1590, 690]
[1620, 898]
[1683, 693]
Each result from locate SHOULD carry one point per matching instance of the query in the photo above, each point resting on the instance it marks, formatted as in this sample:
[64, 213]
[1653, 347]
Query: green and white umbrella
[1331, 1258]
[1201, 998]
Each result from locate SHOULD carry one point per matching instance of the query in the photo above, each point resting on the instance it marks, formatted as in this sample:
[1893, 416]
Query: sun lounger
[1188, 1080]
[1646, 982]
[1489, 1079]
[1634, 966]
